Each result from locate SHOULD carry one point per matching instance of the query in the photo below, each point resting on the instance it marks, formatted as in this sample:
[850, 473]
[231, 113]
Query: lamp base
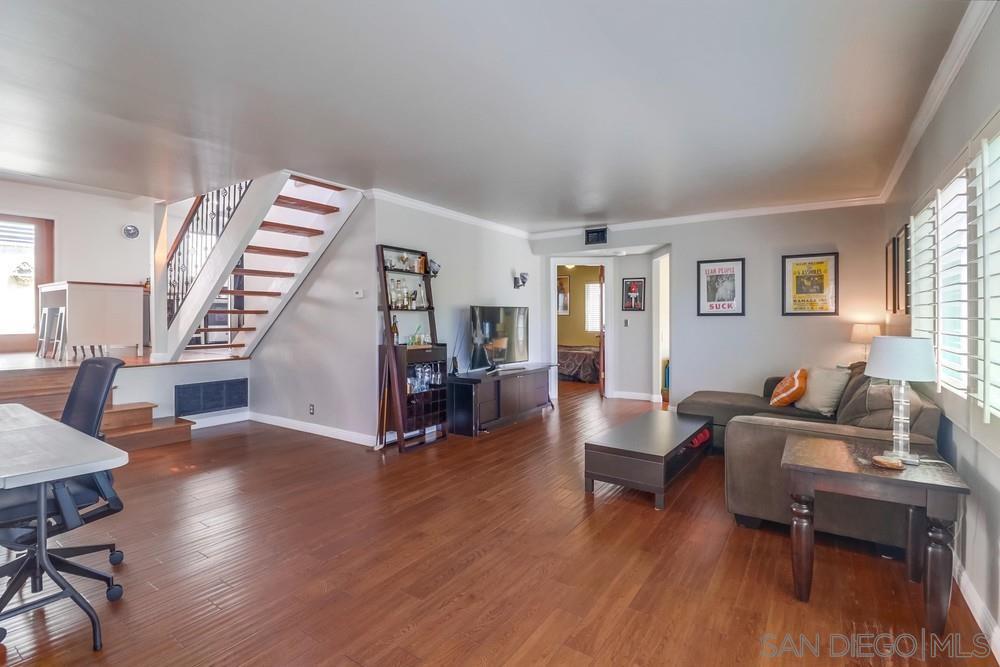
[908, 458]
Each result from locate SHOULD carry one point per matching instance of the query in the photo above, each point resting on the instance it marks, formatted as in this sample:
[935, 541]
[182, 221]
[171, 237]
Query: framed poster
[562, 295]
[809, 284]
[722, 287]
[902, 241]
[890, 276]
[633, 294]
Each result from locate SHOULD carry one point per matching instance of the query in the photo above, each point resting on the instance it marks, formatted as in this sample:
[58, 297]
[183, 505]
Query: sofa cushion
[722, 406]
[857, 380]
[824, 390]
[871, 406]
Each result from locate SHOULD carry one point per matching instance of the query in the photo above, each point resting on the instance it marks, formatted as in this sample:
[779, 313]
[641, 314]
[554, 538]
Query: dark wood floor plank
[257, 545]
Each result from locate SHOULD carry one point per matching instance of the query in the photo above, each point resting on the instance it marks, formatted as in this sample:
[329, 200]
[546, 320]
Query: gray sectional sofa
[753, 434]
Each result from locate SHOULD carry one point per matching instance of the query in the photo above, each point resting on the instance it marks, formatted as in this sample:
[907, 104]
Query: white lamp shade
[864, 333]
[902, 358]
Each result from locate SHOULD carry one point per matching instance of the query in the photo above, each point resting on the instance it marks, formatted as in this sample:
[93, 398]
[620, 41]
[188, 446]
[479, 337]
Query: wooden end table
[930, 491]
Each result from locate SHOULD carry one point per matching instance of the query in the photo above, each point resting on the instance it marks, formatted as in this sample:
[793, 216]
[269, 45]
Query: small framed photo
[890, 276]
[809, 284]
[903, 270]
[562, 295]
[722, 287]
[634, 294]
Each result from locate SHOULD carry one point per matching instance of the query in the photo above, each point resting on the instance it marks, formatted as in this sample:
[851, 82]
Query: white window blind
[923, 273]
[984, 302]
[953, 286]
[592, 307]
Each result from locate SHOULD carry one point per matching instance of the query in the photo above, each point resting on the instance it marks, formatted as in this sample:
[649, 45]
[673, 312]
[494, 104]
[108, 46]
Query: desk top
[35, 449]
[478, 377]
[852, 458]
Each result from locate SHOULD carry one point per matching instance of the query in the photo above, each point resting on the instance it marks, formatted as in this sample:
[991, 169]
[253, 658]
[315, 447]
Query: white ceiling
[535, 114]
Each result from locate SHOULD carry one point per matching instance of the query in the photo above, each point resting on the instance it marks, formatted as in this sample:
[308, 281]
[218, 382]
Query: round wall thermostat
[130, 232]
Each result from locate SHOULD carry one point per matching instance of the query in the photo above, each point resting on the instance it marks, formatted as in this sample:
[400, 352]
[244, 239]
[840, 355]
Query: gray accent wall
[737, 353]
[974, 447]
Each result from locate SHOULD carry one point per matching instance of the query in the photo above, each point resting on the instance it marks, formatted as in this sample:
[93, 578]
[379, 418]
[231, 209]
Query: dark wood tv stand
[479, 400]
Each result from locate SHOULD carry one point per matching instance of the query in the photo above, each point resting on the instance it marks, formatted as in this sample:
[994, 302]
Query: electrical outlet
[312, 409]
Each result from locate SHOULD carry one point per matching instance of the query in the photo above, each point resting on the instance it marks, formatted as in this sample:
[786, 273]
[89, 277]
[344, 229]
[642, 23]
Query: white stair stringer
[253, 208]
[346, 200]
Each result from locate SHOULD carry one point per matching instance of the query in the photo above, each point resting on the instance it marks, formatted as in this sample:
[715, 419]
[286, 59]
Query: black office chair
[84, 411]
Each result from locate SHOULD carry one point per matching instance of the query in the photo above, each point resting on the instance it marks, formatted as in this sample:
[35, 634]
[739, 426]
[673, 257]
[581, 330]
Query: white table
[35, 451]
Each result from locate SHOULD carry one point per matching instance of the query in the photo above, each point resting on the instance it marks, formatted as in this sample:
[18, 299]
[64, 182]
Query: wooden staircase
[129, 426]
[280, 263]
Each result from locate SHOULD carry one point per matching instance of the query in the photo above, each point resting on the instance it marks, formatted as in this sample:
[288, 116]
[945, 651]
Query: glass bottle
[395, 331]
[421, 296]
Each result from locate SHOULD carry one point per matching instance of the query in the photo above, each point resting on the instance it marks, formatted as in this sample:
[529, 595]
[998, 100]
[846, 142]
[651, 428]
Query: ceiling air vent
[595, 236]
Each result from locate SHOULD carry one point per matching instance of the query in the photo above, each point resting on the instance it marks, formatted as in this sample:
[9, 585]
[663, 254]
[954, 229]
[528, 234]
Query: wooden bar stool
[59, 339]
[43, 324]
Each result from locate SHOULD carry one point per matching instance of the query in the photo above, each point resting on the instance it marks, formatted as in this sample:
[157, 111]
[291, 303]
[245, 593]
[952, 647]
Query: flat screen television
[499, 335]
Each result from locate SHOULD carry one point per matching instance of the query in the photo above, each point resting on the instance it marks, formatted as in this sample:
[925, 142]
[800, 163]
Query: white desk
[96, 313]
[36, 450]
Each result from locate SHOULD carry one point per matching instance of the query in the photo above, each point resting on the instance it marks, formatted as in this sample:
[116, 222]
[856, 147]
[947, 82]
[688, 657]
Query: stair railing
[202, 227]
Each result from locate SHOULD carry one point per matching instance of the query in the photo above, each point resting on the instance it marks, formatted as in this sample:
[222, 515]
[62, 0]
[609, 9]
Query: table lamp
[901, 359]
[864, 333]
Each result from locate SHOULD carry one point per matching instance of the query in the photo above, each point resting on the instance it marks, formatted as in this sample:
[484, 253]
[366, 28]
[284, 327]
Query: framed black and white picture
[722, 287]
[809, 284]
[890, 276]
[633, 294]
[902, 242]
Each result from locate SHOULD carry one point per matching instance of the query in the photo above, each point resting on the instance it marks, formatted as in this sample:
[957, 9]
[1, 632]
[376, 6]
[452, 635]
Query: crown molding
[975, 17]
[714, 216]
[384, 195]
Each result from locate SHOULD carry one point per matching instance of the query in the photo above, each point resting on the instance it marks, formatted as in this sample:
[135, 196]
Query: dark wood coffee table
[930, 491]
[645, 453]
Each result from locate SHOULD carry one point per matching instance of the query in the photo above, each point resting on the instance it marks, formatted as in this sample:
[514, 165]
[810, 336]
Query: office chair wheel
[115, 592]
[116, 557]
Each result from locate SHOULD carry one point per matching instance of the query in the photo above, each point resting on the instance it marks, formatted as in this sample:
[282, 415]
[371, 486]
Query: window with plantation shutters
[984, 250]
[953, 286]
[592, 307]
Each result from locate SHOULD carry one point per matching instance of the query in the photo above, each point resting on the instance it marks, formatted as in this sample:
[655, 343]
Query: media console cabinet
[479, 401]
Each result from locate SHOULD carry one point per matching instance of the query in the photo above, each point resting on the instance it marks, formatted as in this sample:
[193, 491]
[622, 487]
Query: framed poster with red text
[722, 287]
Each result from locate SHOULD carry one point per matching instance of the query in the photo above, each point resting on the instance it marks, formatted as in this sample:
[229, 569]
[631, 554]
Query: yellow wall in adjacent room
[571, 327]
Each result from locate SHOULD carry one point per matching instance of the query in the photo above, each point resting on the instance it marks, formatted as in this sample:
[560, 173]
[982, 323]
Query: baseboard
[635, 396]
[987, 624]
[217, 419]
[315, 429]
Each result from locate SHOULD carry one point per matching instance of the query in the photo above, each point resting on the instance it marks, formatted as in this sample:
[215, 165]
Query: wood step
[36, 381]
[236, 312]
[126, 415]
[282, 228]
[263, 273]
[274, 252]
[305, 180]
[215, 346]
[162, 431]
[223, 329]
[284, 201]
[248, 292]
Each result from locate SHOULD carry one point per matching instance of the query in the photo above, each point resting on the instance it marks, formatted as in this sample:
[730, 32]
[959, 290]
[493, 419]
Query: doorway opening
[660, 299]
[580, 302]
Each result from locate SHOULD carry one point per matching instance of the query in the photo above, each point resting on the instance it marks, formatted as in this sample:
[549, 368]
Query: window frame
[44, 267]
[586, 304]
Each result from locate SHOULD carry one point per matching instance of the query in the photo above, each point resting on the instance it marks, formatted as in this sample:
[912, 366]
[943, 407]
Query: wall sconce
[520, 279]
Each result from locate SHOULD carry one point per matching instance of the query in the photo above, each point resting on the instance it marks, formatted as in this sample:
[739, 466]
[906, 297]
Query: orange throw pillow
[789, 390]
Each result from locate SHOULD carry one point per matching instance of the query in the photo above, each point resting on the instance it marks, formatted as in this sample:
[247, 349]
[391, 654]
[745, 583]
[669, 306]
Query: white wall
[155, 384]
[323, 349]
[737, 353]
[974, 447]
[88, 241]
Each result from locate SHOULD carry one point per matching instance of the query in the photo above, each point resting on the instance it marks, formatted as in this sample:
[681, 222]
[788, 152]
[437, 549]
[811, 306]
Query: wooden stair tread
[124, 407]
[215, 346]
[230, 311]
[305, 180]
[263, 273]
[284, 201]
[283, 228]
[159, 424]
[277, 252]
[248, 292]
[223, 329]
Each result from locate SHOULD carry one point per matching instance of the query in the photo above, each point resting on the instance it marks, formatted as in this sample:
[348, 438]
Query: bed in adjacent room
[579, 362]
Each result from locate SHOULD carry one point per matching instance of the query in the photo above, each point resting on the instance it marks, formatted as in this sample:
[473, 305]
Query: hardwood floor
[260, 545]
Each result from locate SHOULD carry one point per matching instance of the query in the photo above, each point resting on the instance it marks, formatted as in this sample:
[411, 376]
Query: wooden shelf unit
[400, 410]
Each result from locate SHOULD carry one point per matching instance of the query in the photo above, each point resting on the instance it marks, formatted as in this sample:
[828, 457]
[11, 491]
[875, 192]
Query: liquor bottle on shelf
[421, 296]
[395, 331]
